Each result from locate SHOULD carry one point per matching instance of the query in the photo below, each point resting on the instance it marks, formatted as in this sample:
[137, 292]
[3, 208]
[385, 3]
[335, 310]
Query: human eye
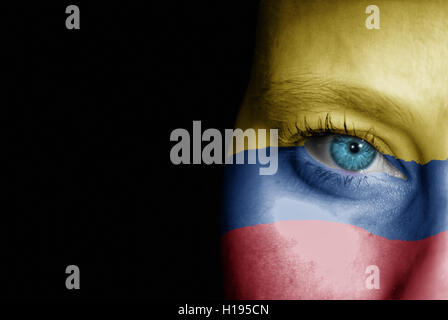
[334, 152]
[349, 154]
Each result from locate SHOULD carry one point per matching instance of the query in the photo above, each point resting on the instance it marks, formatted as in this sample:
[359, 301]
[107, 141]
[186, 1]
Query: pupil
[354, 147]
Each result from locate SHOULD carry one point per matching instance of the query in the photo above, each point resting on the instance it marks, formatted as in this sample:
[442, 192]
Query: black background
[87, 122]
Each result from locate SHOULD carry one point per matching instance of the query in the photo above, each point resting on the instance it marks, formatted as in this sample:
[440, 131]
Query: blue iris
[351, 153]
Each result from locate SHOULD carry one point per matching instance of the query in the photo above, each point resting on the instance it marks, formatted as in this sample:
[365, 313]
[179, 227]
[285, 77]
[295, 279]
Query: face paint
[358, 208]
[310, 226]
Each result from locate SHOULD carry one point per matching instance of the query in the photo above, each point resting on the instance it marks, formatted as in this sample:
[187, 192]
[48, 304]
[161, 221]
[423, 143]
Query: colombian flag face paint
[309, 232]
[358, 208]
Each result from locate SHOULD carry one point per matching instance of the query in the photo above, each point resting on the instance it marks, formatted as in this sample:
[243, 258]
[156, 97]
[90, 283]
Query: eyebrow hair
[308, 93]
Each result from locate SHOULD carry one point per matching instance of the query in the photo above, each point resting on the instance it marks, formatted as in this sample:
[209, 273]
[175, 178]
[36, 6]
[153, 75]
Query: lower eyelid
[337, 182]
[319, 177]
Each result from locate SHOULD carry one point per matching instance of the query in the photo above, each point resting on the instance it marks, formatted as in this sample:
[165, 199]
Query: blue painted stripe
[304, 189]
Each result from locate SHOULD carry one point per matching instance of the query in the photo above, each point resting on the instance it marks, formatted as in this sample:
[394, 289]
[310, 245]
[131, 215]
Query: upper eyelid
[364, 135]
[295, 133]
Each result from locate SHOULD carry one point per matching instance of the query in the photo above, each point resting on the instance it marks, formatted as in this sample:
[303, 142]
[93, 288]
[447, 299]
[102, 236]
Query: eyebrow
[309, 93]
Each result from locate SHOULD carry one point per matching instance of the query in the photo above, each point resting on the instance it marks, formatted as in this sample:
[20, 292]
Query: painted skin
[310, 231]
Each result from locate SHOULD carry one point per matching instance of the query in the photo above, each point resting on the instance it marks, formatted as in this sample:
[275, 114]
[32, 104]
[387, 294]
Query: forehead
[406, 57]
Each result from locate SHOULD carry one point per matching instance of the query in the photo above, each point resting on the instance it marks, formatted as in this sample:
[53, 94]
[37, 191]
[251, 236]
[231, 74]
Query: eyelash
[302, 131]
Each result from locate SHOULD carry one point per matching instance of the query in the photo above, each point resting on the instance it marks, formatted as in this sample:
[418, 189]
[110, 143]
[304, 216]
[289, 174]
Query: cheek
[328, 260]
[307, 234]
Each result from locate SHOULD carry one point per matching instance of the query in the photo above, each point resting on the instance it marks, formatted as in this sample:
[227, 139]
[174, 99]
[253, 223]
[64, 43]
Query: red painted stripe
[328, 260]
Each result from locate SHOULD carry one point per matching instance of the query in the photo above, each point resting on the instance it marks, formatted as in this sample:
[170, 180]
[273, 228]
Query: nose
[428, 277]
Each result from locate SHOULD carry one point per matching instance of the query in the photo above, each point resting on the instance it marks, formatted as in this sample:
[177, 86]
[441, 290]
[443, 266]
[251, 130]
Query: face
[358, 208]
